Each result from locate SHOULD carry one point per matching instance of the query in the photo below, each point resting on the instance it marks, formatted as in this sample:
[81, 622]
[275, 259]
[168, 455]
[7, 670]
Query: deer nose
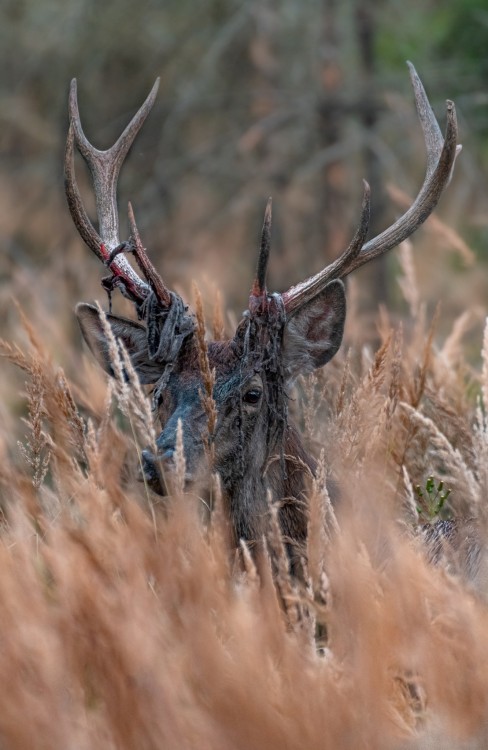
[152, 473]
[153, 467]
[165, 445]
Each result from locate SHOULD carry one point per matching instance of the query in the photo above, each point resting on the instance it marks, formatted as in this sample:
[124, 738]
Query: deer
[257, 450]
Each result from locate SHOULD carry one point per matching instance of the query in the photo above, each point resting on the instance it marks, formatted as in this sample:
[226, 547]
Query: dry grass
[124, 628]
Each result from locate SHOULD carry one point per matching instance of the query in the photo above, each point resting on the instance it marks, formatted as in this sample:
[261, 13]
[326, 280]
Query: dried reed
[126, 629]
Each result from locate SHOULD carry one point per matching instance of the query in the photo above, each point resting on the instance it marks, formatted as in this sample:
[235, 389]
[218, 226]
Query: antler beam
[105, 167]
[441, 155]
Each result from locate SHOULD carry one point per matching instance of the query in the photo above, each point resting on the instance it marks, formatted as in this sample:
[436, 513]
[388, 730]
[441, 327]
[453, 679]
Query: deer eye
[252, 396]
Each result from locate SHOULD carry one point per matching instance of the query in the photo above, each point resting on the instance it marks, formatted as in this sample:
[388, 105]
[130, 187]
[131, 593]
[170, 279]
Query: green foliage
[448, 45]
[431, 500]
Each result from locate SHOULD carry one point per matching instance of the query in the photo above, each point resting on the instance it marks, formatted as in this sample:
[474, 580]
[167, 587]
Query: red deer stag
[279, 336]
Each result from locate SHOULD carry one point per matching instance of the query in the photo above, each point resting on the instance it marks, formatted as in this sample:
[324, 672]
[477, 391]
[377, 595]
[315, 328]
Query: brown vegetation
[126, 621]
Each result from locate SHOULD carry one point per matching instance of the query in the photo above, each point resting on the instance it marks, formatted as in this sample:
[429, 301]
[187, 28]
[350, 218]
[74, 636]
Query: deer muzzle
[155, 469]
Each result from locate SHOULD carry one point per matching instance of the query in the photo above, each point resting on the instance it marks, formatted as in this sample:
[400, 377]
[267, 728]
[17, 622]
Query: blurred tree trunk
[333, 204]
[334, 111]
[369, 113]
[265, 103]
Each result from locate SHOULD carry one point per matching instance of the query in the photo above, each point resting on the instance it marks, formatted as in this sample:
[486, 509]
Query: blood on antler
[105, 168]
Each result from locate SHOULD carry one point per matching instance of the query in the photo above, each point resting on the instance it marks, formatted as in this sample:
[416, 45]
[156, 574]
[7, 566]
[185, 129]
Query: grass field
[127, 622]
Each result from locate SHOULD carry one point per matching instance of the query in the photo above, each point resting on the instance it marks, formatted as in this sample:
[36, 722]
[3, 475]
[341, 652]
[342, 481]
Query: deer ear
[314, 332]
[133, 336]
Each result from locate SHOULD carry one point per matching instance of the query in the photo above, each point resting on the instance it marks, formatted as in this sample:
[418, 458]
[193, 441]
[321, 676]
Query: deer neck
[280, 474]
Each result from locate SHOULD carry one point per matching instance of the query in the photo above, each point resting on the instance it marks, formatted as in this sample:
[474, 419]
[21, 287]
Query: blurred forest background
[298, 100]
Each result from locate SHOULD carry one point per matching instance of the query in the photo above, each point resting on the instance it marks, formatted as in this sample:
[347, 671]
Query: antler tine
[295, 297]
[441, 155]
[259, 285]
[154, 279]
[77, 210]
[104, 167]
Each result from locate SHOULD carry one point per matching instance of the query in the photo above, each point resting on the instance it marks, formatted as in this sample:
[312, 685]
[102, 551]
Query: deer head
[256, 448]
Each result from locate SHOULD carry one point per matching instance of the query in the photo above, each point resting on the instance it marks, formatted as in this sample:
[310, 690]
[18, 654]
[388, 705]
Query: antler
[441, 154]
[105, 167]
[259, 292]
